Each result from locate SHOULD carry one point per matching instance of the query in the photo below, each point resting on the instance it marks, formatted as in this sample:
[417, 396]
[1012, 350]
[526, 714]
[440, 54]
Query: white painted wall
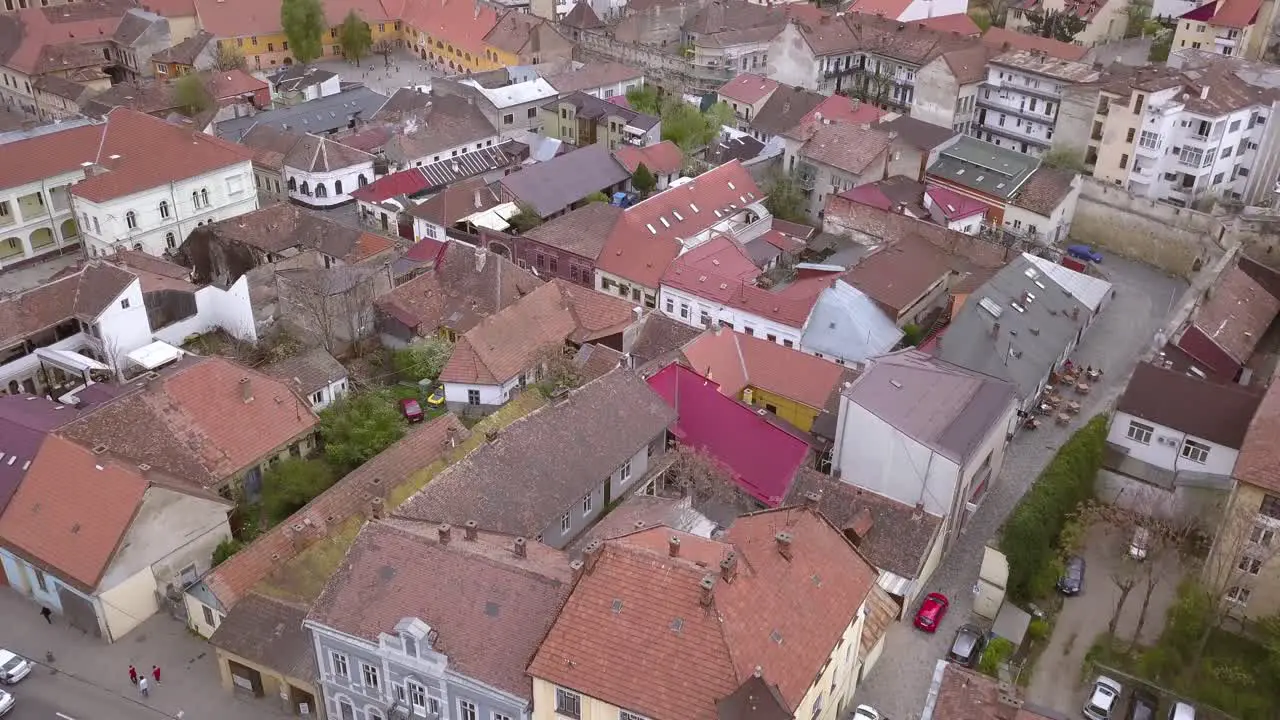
[687, 308]
[125, 606]
[228, 309]
[327, 395]
[925, 9]
[1168, 454]
[20, 225]
[490, 395]
[123, 325]
[791, 60]
[296, 178]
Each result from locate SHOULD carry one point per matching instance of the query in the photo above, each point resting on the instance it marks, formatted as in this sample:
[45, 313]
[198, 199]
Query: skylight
[732, 186]
[693, 207]
[991, 306]
[665, 224]
[651, 230]
[677, 214]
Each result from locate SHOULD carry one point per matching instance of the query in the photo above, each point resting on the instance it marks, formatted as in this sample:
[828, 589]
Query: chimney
[519, 547]
[481, 257]
[784, 544]
[376, 506]
[729, 567]
[444, 532]
[673, 546]
[476, 199]
[469, 530]
[708, 585]
[591, 555]
[1075, 314]
[995, 329]
[811, 500]
[246, 390]
[575, 567]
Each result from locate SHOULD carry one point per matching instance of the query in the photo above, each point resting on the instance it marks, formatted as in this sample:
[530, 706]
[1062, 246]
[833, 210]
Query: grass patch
[302, 578]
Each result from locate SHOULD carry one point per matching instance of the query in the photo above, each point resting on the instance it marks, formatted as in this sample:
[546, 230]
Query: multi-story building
[947, 87]
[139, 35]
[70, 43]
[582, 119]
[1019, 102]
[35, 200]
[1105, 20]
[1234, 28]
[513, 108]
[253, 30]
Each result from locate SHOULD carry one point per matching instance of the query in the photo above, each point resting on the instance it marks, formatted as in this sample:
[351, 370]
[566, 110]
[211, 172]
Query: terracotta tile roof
[640, 512]
[519, 33]
[1259, 460]
[234, 83]
[1236, 314]
[460, 22]
[171, 153]
[1231, 13]
[660, 336]
[72, 510]
[593, 75]
[349, 497]
[969, 65]
[242, 18]
[172, 8]
[154, 273]
[784, 110]
[965, 252]
[835, 109]
[594, 361]
[1001, 39]
[884, 8]
[308, 371]
[506, 344]
[637, 254]
[1186, 403]
[458, 292]
[968, 694]
[956, 23]
[899, 538]
[910, 42]
[459, 201]
[663, 158]
[193, 423]
[313, 153]
[283, 226]
[899, 273]
[748, 88]
[447, 121]
[678, 659]
[583, 231]
[83, 294]
[542, 465]
[49, 155]
[1045, 190]
[269, 632]
[736, 360]
[851, 148]
[36, 40]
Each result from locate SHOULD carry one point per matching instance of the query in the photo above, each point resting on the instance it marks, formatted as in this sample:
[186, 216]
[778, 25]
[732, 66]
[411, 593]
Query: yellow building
[252, 27]
[1235, 28]
[450, 35]
[792, 385]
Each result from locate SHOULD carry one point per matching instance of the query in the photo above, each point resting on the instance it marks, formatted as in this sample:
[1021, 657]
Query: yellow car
[437, 397]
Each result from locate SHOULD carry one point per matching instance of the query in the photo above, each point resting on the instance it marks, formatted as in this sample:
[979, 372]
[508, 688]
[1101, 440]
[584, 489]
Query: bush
[997, 653]
[225, 549]
[1029, 537]
[1038, 629]
[423, 360]
[359, 426]
[912, 334]
[292, 483]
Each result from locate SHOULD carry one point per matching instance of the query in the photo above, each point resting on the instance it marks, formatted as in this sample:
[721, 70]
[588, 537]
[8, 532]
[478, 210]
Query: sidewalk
[189, 672]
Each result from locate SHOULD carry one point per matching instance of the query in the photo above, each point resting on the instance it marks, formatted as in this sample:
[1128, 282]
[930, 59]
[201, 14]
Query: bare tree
[384, 47]
[228, 57]
[334, 303]
[697, 474]
[555, 369]
[1243, 545]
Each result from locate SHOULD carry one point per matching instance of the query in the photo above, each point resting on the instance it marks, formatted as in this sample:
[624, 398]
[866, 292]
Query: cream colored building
[1234, 28]
[1106, 20]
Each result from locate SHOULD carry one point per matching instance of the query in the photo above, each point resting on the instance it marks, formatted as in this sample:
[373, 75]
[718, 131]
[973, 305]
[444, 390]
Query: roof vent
[99, 449]
[896, 384]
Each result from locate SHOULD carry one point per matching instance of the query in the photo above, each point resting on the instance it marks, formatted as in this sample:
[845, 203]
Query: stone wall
[660, 67]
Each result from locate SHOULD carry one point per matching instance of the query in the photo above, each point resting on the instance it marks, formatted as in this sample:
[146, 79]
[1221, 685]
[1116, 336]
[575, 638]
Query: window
[501, 716]
[1137, 105]
[553, 264]
[467, 710]
[568, 703]
[1234, 126]
[369, 674]
[317, 397]
[1249, 564]
[1149, 140]
[684, 311]
[565, 523]
[1140, 432]
[339, 662]
[1262, 535]
[348, 713]
[337, 187]
[170, 240]
[209, 619]
[410, 646]
[124, 304]
[1124, 161]
[473, 397]
[671, 306]
[626, 470]
[1238, 595]
[533, 113]
[131, 220]
[164, 208]
[1128, 137]
[1217, 179]
[788, 343]
[1195, 452]
[749, 330]
[204, 197]
[586, 507]
[509, 119]
[417, 695]
[628, 715]
[373, 713]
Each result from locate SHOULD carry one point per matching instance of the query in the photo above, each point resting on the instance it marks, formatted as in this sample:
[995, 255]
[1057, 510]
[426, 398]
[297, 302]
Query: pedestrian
[143, 686]
[48, 615]
[133, 675]
[155, 672]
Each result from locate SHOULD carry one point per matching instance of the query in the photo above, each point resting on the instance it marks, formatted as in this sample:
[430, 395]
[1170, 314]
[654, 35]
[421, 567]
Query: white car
[866, 712]
[1102, 700]
[6, 702]
[13, 667]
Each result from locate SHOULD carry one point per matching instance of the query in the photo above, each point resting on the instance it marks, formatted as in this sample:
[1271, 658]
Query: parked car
[1182, 711]
[1139, 543]
[436, 398]
[411, 410]
[1072, 580]
[931, 612]
[866, 712]
[1143, 706]
[970, 641]
[1084, 252]
[1102, 699]
[6, 702]
[13, 667]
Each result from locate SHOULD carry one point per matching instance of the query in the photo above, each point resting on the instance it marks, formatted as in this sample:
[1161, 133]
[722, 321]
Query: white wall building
[320, 173]
[1018, 105]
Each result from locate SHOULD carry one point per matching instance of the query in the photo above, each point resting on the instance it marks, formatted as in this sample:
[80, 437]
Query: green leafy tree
[290, 484]
[359, 426]
[643, 180]
[192, 95]
[1055, 24]
[355, 36]
[786, 200]
[718, 116]
[525, 220]
[225, 549]
[685, 126]
[423, 360]
[1064, 158]
[645, 99]
[304, 26]
[596, 197]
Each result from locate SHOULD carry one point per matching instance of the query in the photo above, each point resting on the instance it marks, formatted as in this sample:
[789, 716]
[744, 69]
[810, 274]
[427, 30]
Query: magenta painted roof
[405, 182]
[953, 205]
[868, 195]
[763, 457]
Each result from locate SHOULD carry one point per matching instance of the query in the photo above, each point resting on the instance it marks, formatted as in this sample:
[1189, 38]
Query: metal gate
[79, 612]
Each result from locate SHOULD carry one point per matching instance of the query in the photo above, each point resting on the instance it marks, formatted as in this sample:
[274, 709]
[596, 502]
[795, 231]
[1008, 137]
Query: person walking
[47, 614]
[133, 675]
[155, 672]
[144, 686]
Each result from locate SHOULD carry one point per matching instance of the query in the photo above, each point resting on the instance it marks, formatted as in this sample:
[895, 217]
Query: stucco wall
[126, 605]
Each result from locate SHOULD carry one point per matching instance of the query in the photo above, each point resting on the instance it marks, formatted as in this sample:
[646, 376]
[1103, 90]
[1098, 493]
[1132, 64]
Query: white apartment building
[35, 201]
[1019, 102]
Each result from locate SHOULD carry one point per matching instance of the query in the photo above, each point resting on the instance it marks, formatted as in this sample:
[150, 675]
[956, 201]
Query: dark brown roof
[185, 52]
[1045, 190]
[582, 17]
[308, 371]
[313, 153]
[1214, 412]
[899, 538]
[542, 465]
[84, 295]
[784, 109]
[899, 273]
[660, 337]
[446, 121]
[460, 200]
[968, 65]
[469, 592]
[594, 361]
[582, 232]
[269, 632]
[918, 133]
[282, 226]
[1236, 313]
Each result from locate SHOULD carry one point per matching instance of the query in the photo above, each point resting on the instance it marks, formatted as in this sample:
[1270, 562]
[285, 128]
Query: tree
[355, 36]
[685, 126]
[1240, 547]
[228, 57]
[192, 95]
[1057, 24]
[385, 48]
[358, 426]
[644, 99]
[597, 197]
[336, 303]
[643, 180]
[422, 360]
[225, 549]
[696, 474]
[556, 369]
[785, 199]
[1064, 158]
[719, 115]
[292, 483]
[304, 25]
[525, 220]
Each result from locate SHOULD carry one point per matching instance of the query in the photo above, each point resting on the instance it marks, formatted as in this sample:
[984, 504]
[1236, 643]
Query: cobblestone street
[898, 684]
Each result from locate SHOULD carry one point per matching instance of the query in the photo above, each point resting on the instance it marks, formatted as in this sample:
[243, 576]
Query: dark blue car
[1084, 252]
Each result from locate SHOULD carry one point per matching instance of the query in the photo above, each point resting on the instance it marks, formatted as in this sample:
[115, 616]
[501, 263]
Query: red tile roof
[46, 156]
[1236, 314]
[242, 18]
[1227, 13]
[763, 457]
[870, 195]
[1259, 460]
[72, 510]
[957, 23]
[657, 650]
[736, 360]
[140, 152]
[36, 36]
[899, 273]
[837, 109]
[641, 255]
[233, 83]
[891, 9]
[748, 88]
[663, 158]
[405, 182]
[461, 22]
[953, 205]
[999, 38]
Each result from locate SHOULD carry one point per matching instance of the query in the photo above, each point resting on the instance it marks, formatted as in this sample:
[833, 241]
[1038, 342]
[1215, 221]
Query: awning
[155, 355]
[70, 361]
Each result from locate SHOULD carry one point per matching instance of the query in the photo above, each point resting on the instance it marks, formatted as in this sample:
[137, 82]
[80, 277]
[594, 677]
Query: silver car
[13, 667]
[1102, 699]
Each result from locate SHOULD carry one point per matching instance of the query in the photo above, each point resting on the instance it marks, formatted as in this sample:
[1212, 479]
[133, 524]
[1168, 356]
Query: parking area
[405, 70]
[1056, 680]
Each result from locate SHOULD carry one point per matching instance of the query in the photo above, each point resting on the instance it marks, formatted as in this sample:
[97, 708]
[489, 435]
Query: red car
[931, 612]
[412, 410]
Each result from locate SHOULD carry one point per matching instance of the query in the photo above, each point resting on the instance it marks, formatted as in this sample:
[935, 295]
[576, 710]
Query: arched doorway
[10, 247]
[41, 238]
[500, 249]
[69, 229]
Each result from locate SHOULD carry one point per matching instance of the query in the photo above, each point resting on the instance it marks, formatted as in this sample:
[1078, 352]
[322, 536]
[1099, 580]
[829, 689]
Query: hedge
[1030, 535]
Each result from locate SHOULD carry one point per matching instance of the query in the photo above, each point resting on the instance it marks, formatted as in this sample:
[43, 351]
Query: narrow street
[898, 684]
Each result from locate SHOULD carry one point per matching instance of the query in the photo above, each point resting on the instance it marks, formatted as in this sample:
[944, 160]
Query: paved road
[898, 684]
[46, 695]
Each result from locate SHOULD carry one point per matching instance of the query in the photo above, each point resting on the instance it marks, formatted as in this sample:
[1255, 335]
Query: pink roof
[720, 255]
[870, 195]
[748, 88]
[953, 205]
[234, 83]
[998, 38]
[762, 456]
[663, 158]
[426, 250]
[1226, 13]
[620, 100]
[405, 182]
[957, 23]
[836, 109]
[885, 8]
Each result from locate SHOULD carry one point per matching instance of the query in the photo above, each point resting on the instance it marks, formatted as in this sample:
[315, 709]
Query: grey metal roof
[554, 185]
[847, 324]
[1003, 332]
[297, 76]
[984, 167]
[319, 116]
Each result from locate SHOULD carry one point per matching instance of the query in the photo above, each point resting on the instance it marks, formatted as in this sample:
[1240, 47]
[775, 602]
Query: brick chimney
[246, 390]
[811, 500]
[376, 506]
[591, 555]
[784, 544]
[708, 585]
[1075, 314]
[729, 567]
[519, 547]
[445, 532]
[673, 546]
[469, 530]
[575, 567]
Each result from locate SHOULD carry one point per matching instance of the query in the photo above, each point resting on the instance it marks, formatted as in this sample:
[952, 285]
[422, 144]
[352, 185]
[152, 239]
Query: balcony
[806, 176]
[1014, 133]
[750, 228]
[1155, 151]
[1010, 107]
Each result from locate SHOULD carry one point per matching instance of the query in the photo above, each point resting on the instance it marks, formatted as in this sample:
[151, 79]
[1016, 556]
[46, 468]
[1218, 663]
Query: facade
[1104, 21]
[1234, 28]
[962, 168]
[44, 43]
[513, 109]
[838, 157]
[259, 37]
[947, 87]
[1223, 332]
[581, 119]
[299, 83]
[1019, 103]
[597, 79]
[139, 35]
[320, 173]
[568, 246]
[908, 10]
[746, 94]
[36, 218]
[664, 160]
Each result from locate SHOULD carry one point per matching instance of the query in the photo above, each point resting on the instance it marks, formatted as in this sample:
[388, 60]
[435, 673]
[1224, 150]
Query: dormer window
[410, 646]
